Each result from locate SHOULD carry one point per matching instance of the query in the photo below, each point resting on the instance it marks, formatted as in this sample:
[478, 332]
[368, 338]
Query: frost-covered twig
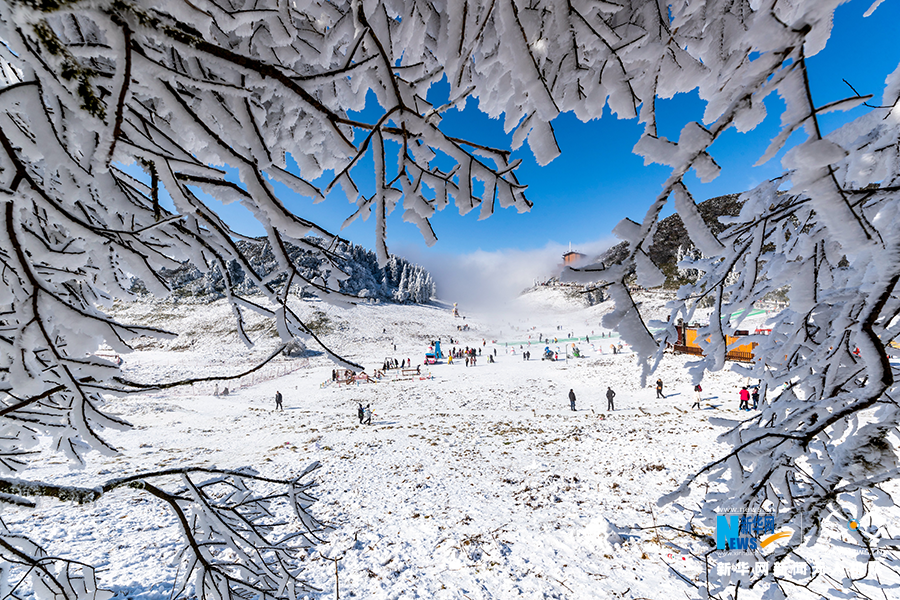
[245, 533]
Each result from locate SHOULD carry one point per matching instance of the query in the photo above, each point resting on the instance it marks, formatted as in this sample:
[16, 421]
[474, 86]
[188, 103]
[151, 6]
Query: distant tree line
[355, 269]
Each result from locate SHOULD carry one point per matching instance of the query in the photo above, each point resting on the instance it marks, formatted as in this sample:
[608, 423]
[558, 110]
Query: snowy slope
[477, 482]
[358, 268]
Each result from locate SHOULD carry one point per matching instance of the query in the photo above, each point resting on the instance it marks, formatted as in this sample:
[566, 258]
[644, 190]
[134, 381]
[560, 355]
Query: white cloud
[489, 281]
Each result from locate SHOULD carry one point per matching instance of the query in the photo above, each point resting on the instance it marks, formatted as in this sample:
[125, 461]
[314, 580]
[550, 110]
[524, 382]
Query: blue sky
[597, 181]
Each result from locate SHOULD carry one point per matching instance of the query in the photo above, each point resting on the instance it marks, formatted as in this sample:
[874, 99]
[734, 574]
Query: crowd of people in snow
[469, 355]
[749, 395]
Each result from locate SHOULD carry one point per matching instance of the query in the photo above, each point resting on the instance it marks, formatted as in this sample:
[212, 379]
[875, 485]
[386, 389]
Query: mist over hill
[399, 280]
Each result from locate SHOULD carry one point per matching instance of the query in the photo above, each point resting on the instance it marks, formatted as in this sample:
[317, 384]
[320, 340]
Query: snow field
[473, 483]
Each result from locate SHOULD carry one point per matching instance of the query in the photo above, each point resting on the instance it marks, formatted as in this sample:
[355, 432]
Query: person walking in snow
[278, 405]
[659, 388]
[572, 399]
[697, 390]
[755, 397]
[745, 399]
[361, 413]
[368, 415]
[610, 394]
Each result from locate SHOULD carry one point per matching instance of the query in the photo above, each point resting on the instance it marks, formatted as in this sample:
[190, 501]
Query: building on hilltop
[572, 258]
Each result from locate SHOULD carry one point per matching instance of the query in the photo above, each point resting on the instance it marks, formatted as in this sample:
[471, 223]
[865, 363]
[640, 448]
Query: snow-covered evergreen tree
[684, 259]
[402, 292]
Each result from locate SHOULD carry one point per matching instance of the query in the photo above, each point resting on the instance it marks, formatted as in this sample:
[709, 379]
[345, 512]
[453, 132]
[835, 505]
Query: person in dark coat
[610, 394]
[572, 399]
[361, 413]
[659, 388]
[754, 396]
[278, 405]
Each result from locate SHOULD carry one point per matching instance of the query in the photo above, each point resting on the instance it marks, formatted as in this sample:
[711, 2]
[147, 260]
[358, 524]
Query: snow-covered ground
[474, 483]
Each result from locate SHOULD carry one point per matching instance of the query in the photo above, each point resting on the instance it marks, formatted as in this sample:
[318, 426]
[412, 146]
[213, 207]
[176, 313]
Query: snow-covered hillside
[355, 267]
[471, 483]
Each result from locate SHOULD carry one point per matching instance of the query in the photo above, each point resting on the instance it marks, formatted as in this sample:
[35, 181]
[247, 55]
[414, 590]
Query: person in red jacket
[745, 399]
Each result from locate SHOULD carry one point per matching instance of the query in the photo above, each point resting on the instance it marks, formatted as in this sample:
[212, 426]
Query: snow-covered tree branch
[107, 106]
[244, 533]
[827, 230]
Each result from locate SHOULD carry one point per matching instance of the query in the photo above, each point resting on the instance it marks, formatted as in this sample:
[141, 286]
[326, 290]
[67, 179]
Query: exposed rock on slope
[672, 235]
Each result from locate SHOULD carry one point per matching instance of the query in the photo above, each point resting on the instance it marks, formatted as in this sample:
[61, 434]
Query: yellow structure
[688, 344]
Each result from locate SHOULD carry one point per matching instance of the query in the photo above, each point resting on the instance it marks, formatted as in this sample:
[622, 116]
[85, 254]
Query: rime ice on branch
[95, 93]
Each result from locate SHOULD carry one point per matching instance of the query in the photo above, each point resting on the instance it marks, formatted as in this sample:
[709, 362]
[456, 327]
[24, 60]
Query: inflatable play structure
[434, 353]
